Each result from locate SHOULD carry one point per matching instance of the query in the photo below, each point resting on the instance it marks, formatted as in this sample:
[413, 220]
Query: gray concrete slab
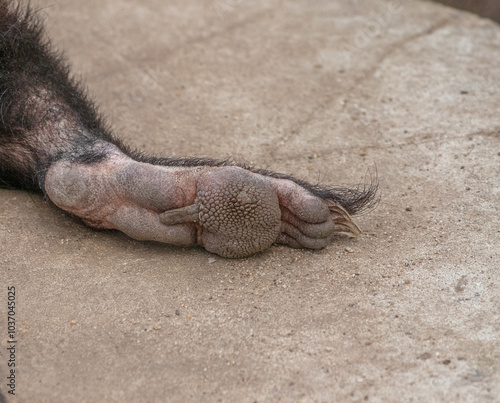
[407, 312]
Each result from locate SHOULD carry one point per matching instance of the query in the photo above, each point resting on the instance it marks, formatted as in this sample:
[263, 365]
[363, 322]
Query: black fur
[45, 116]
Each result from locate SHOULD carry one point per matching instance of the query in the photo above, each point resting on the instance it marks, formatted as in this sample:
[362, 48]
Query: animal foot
[231, 211]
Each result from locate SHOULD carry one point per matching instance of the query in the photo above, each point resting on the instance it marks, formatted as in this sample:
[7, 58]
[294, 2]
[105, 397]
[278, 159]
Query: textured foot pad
[238, 211]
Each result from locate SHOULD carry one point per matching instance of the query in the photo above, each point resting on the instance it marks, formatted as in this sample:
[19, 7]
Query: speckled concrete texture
[408, 312]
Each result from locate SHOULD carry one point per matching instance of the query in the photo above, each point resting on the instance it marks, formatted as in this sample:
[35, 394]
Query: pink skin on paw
[229, 210]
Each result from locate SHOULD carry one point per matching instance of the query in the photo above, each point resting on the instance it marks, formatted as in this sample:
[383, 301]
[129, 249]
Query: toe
[300, 202]
[285, 239]
[304, 240]
[319, 230]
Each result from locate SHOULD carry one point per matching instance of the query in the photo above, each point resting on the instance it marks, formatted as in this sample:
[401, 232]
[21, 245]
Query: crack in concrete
[398, 45]
[366, 75]
[130, 60]
[495, 132]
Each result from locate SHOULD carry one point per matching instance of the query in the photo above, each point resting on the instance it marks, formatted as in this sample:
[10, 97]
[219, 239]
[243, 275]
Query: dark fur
[45, 116]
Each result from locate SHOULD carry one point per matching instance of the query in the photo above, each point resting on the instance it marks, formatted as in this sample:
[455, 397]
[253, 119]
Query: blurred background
[485, 8]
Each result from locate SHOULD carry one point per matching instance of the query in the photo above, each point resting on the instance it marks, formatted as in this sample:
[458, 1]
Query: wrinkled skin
[53, 140]
[230, 211]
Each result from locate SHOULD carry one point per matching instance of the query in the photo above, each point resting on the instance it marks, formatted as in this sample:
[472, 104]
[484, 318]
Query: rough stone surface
[407, 312]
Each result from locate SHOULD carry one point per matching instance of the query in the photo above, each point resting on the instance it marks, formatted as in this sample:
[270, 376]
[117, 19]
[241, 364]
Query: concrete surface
[408, 312]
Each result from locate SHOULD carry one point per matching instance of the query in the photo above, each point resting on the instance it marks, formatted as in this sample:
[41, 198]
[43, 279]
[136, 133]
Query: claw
[343, 221]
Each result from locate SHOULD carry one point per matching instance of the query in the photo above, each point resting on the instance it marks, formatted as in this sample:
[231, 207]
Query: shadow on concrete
[484, 8]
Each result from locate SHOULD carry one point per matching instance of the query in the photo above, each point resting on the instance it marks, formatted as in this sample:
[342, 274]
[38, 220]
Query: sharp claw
[343, 221]
[180, 215]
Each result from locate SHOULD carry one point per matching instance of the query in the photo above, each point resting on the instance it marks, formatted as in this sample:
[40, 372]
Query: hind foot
[229, 210]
